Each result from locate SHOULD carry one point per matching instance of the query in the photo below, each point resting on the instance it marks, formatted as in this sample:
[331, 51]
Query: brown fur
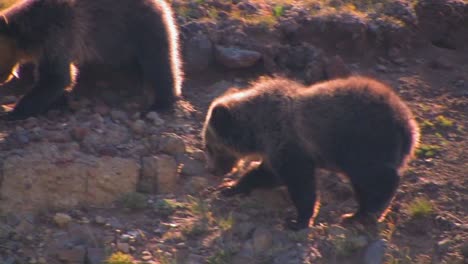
[56, 33]
[355, 125]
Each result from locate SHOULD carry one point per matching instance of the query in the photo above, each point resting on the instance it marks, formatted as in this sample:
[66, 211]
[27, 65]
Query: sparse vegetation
[427, 151]
[444, 122]
[420, 207]
[195, 229]
[226, 223]
[119, 258]
[166, 207]
[204, 227]
[220, 257]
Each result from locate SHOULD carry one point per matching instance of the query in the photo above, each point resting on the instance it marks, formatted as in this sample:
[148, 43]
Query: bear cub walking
[356, 125]
[53, 34]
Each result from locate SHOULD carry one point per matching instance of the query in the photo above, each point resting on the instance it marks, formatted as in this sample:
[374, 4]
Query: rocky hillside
[101, 183]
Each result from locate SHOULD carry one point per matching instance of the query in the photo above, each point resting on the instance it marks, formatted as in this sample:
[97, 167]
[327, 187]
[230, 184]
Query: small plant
[278, 10]
[427, 151]
[403, 257]
[226, 223]
[164, 259]
[444, 122]
[213, 13]
[220, 257]
[119, 258]
[134, 201]
[420, 207]
[195, 230]
[427, 124]
[388, 230]
[166, 207]
[198, 207]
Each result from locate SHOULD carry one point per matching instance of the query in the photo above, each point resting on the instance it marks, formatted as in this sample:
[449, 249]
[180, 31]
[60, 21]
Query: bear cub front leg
[258, 177]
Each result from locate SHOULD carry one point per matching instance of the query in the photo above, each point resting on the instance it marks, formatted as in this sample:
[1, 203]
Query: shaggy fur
[357, 126]
[54, 34]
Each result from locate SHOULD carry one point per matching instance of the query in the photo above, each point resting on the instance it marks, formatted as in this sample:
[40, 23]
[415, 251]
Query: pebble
[100, 220]
[118, 115]
[262, 239]
[375, 252]
[172, 144]
[139, 127]
[62, 219]
[124, 247]
[155, 118]
[444, 244]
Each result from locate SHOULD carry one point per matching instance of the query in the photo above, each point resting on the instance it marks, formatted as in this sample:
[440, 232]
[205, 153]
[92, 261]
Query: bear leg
[259, 177]
[297, 170]
[54, 76]
[374, 188]
[158, 69]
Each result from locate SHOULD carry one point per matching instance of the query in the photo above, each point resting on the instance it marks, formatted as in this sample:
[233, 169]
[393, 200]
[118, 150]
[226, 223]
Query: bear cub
[56, 34]
[356, 126]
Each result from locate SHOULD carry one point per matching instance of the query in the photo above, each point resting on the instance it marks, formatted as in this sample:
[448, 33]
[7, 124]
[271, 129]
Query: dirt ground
[428, 222]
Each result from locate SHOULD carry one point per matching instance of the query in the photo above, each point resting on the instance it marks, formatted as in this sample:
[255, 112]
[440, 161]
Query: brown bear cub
[55, 34]
[356, 126]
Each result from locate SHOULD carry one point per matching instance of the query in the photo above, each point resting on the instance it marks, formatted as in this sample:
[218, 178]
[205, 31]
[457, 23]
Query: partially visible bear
[54, 34]
[356, 126]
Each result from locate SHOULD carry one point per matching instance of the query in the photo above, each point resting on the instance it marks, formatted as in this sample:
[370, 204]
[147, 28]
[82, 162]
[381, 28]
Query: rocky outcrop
[48, 176]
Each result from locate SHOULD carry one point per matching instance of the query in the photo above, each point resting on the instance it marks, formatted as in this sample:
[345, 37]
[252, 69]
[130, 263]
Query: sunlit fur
[136, 34]
[357, 126]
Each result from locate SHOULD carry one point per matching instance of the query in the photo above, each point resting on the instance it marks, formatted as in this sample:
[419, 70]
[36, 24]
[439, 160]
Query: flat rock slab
[58, 176]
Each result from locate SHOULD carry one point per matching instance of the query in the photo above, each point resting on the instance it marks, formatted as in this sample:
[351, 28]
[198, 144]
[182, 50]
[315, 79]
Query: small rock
[244, 229]
[197, 184]
[358, 241]
[5, 231]
[199, 155]
[139, 127]
[375, 252]
[235, 58]
[146, 255]
[444, 244]
[118, 115]
[75, 255]
[464, 249]
[171, 144]
[124, 247]
[440, 63]
[198, 53]
[99, 220]
[191, 166]
[95, 255]
[262, 239]
[289, 26]
[102, 109]
[62, 219]
[336, 67]
[155, 118]
[79, 133]
[381, 68]
[159, 174]
[336, 230]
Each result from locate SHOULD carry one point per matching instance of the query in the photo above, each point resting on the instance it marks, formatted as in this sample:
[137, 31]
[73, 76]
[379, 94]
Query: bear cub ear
[222, 120]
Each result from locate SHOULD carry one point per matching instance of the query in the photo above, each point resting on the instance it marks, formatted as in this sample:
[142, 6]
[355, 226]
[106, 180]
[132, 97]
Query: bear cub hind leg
[374, 188]
[259, 177]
